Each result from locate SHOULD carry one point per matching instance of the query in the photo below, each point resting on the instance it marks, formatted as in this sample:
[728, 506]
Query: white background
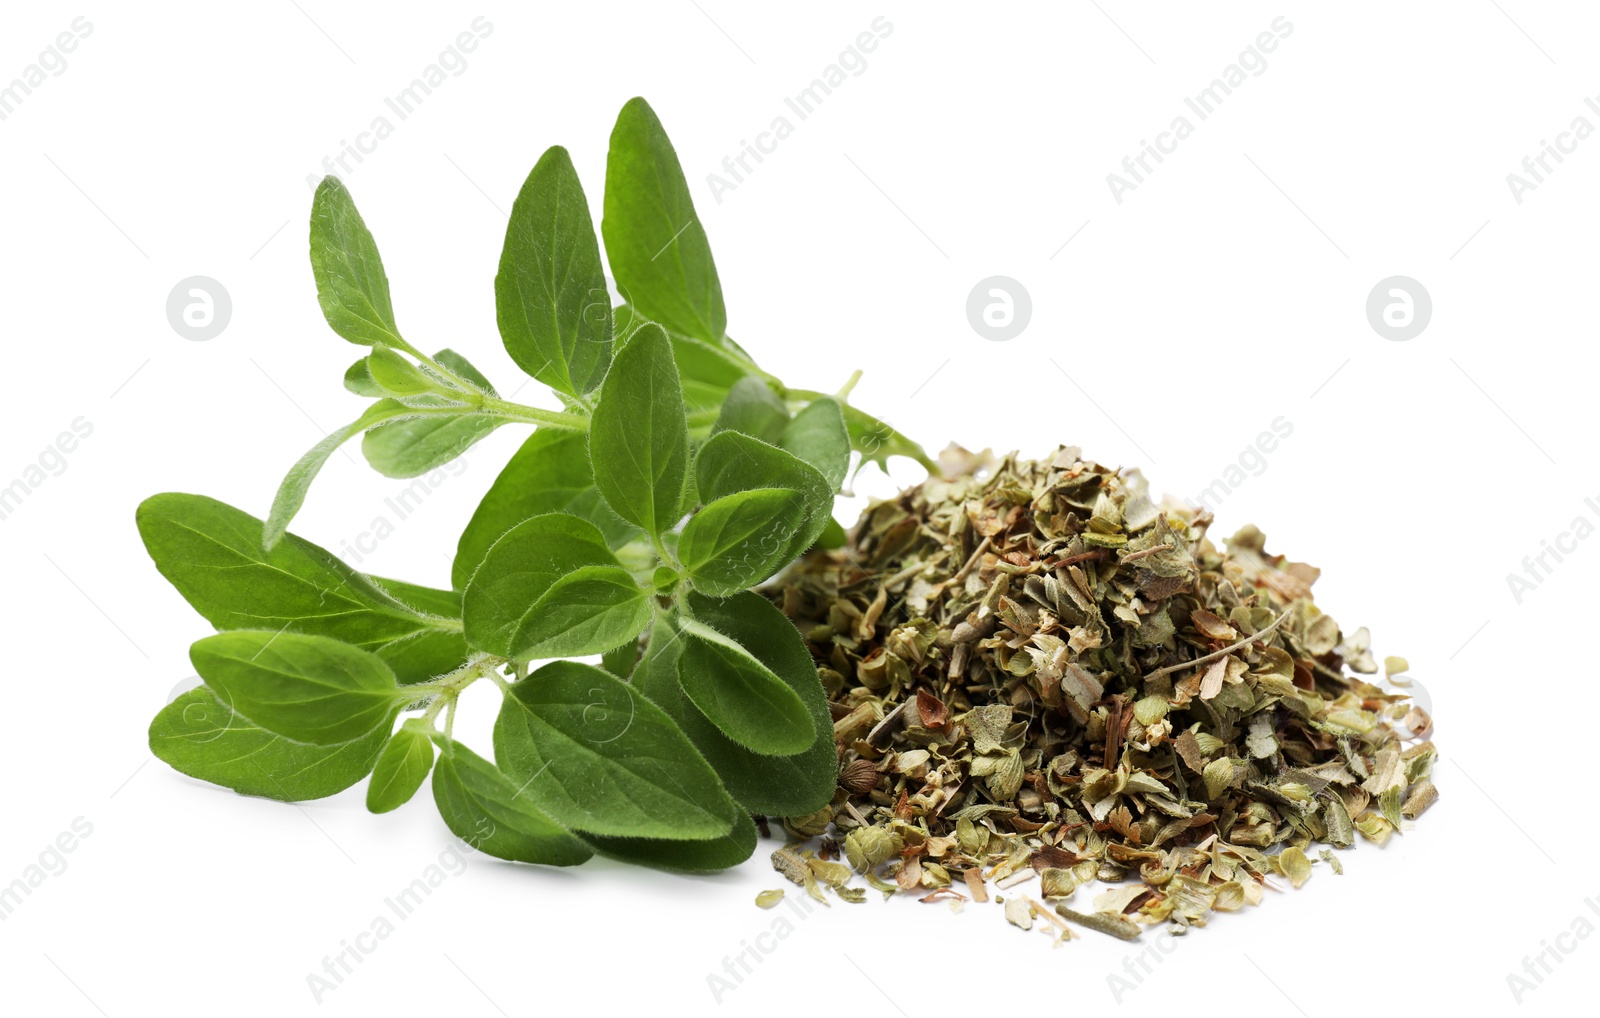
[1228, 289]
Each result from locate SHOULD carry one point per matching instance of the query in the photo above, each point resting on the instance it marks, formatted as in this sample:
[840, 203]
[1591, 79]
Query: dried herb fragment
[1419, 799]
[1294, 864]
[1019, 913]
[1101, 922]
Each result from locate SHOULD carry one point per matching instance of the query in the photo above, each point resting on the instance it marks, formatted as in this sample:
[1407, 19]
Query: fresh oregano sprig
[630, 525]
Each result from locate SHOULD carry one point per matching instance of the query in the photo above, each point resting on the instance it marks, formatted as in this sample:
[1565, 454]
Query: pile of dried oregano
[1034, 670]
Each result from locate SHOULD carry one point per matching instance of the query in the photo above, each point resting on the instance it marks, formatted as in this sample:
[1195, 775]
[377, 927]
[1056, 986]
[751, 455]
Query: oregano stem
[661, 553]
[435, 707]
[455, 681]
[1224, 652]
[533, 415]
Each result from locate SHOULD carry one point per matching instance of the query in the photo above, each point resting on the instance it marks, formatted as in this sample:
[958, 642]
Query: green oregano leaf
[198, 735]
[740, 539]
[351, 285]
[212, 553]
[550, 294]
[654, 241]
[818, 435]
[482, 807]
[358, 379]
[307, 688]
[740, 694]
[395, 375]
[638, 438]
[401, 768]
[753, 409]
[731, 462]
[600, 758]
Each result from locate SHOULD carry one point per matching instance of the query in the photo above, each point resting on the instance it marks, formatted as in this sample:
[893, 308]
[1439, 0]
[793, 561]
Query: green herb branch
[629, 525]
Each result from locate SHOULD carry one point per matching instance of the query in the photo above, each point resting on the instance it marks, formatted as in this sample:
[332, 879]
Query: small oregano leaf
[753, 409]
[401, 767]
[395, 374]
[740, 539]
[731, 462]
[548, 474]
[586, 611]
[482, 807]
[818, 435]
[638, 437]
[307, 688]
[351, 285]
[358, 379]
[497, 607]
[654, 241]
[740, 694]
[550, 294]
[198, 735]
[600, 758]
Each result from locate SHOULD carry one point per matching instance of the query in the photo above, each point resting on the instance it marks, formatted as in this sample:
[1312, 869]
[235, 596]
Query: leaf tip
[330, 185]
[555, 153]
